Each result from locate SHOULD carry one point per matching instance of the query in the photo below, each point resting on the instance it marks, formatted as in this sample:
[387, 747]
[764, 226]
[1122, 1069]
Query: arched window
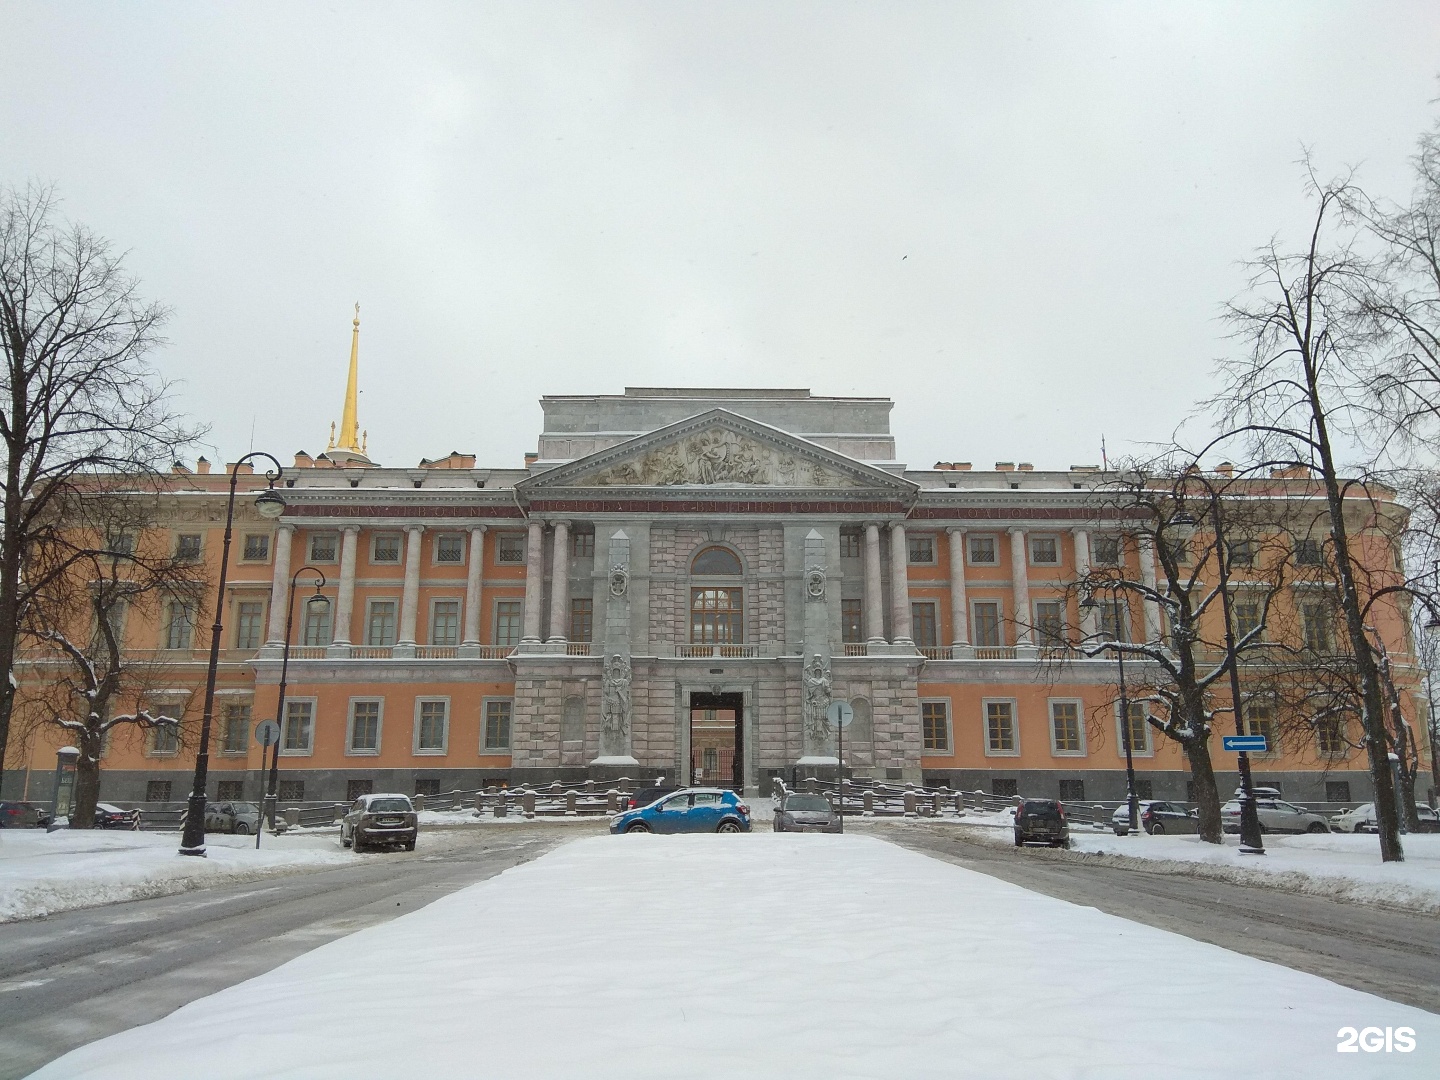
[715, 562]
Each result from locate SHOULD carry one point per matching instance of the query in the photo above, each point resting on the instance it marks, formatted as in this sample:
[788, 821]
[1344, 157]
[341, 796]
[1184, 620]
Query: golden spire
[349, 423]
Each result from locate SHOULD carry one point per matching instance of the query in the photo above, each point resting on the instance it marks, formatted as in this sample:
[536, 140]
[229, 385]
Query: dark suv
[374, 820]
[1041, 821]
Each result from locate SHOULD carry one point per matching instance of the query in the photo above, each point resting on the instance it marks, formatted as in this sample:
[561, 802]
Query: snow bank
[43, 873]
[761, 956]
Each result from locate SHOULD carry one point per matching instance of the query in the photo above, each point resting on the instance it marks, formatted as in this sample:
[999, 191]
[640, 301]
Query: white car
[1276, 815]
[1362, 819]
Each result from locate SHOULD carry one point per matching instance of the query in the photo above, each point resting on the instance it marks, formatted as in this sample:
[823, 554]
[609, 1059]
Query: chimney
[303, 460]
[530, 459]
[243, 470]
[961, 466]
[179, 467]
[1025, 466]
[202, 466]
[1004, 466]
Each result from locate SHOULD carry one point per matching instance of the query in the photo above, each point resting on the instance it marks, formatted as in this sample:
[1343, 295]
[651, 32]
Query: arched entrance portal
[717, 741]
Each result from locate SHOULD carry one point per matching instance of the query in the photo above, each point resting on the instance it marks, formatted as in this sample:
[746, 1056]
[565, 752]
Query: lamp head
[270, 503]
[1089, 603]
[318, 604]
[1182, 524]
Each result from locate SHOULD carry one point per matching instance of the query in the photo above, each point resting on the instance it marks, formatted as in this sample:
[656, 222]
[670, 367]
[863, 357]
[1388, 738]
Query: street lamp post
[270, 504]
[317, 603]
[1132, 800]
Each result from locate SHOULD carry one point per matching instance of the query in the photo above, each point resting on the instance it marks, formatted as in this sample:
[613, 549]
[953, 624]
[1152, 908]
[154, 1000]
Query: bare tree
[80, 399]
[106, 570]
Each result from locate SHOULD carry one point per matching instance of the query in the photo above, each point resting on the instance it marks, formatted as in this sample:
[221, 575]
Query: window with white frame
[1242, 553]
[445, 622]
[508, 617]
[924, 627]
[1000, 734]
[1316, 626]
[317, 627]
[921, 549]
[431, 725]
[364, 734]
[1260, 720]
[1050, 623]
[380, 623]
[256, 548]
[1137, 730]
[1044, 551]
[1307, 552]
[1067, 733]
[187, 547]
[1113, 620]
[1247, 617]
[1105, 551]
[983, 550]
[496, 736]
[249, 615]
[582, 544]
[298, 738]
[850, 543]
[179, 623]
[985, 620]
[324, 547]
[510, 549]
[935, 726]
[165, 739]
[235, 736]
[450, 548]
[385, 548]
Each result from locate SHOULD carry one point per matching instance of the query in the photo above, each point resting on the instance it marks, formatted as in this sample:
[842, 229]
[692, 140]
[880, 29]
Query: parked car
[1156, 817]
[375, 820]
[1276, 815]
[22, 815]
[806, 813]
[1362, 819]
[647, 795]
[1041, 821]
[232, 817]
[110, 816]
[687, 811]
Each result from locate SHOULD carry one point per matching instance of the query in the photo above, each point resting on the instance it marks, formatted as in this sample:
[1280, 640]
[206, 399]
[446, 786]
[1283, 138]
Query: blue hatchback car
[688, 811]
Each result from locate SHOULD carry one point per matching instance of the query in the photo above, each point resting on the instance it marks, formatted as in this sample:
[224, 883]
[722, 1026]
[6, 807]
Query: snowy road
[78, 976]
[1395, 954]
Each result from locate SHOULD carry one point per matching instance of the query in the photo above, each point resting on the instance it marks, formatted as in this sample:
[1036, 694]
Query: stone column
[1082, 568]
[817, 743]
[280, 587]
[474, 573]
[900, 585]
[959, 606]
[345, 595]
[1020, 587]
[616, 707]
[410, 597]
[1147, 575]
[560, 584]
[534, 582]
[874, 616]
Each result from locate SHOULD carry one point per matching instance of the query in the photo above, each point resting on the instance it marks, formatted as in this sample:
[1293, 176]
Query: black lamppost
[317, 604]
[1132, 800]
[1250, 836]
[270, 504]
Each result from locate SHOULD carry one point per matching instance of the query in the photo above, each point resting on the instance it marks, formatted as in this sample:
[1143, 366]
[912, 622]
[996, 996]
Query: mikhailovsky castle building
[675, 583]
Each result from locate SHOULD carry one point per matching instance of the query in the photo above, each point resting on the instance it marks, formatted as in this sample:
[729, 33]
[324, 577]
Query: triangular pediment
[720, 449]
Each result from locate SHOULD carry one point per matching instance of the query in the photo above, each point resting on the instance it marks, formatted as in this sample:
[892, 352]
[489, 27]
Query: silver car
[1276, 816]
[806, 813]
[232, 817]
[1155, 817]
[375, 820]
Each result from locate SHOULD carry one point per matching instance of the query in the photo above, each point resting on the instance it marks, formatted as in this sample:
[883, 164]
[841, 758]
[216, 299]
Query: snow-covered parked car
[1362, 819]
[1156, 817]
[232, 817]
[373, 820]
[1276, 816]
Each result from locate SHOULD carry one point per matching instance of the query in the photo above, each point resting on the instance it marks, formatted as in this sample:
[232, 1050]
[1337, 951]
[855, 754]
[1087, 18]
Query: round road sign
[267, 733]
[840, 713]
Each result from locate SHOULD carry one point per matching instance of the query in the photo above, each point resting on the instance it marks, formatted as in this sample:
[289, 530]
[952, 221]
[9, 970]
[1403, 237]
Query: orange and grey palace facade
[675, 584]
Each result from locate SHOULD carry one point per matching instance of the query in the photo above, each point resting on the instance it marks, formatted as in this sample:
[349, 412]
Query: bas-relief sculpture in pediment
[720, 456]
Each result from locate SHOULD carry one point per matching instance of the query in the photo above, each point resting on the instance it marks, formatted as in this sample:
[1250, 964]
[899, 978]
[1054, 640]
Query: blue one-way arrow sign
[1253, 744]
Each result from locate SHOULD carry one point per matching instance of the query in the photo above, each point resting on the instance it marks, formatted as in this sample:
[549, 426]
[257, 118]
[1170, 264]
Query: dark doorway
[717, 740]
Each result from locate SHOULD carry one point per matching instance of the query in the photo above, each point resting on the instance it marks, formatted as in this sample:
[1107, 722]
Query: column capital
[413, 527]
[353, 529]
[555, 523]
[897, 526]
[285, 526]
[1014, 530]
[481, 529]
[955, 530]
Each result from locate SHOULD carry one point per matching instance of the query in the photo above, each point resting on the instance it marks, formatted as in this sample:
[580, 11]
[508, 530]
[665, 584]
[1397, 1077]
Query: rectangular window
[982, 551]
[922, 550]
[1315, 625]
[582, 619]
[510, 549]
[1106, 551]
[248, 631]
[179, 624]
[935, 725]
[1242, 554]
[717, 616]
[450, 548]
[1044, 551]
[1049, 623]
[187, 547]
[229, 790]
[120, 543]
[380, 627]
[1005, 789]
[582, 545]
[317, 629]
[1260, 720]
[355, 789]
[1137, 730]
[1114, 620]
[431, 730]
[850, 543]
[1145, 789]
[257, 547]
[922, 624]
[291, 791]
[445, 622]
[1178, 550]
[157, 791]
[299, 727]
[323, 547]
[385, 548]
[1065, 727]
[1330, 738]
[985, 616]
[497, 725]
[1247, 617]
[1000, 727]
[851, 622]
[1307, 552]
[1337, 791]
[507, 622]
[1072, 790]
[165, 739]
[237, 728]
[365, 727]
[427, 786]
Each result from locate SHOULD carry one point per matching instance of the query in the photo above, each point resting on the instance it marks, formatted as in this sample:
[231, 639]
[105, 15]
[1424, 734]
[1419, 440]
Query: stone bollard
[938, 805]
[502, 805]
[571, 810]
[868, 803]
[292, 817]
[911, 806]
[419, 804]
[336, 812]
[479, 802]
[959, 805]
[528, 800]
[612, 801]
[589, 787]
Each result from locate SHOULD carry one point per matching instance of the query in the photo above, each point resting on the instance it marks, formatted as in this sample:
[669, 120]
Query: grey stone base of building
[1172, 786]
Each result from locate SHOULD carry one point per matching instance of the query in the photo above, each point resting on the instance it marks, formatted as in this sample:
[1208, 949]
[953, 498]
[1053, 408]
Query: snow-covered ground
[43, 873]
[763, 956]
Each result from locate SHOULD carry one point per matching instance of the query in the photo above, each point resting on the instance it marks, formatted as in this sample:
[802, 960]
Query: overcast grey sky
[1017, 220]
